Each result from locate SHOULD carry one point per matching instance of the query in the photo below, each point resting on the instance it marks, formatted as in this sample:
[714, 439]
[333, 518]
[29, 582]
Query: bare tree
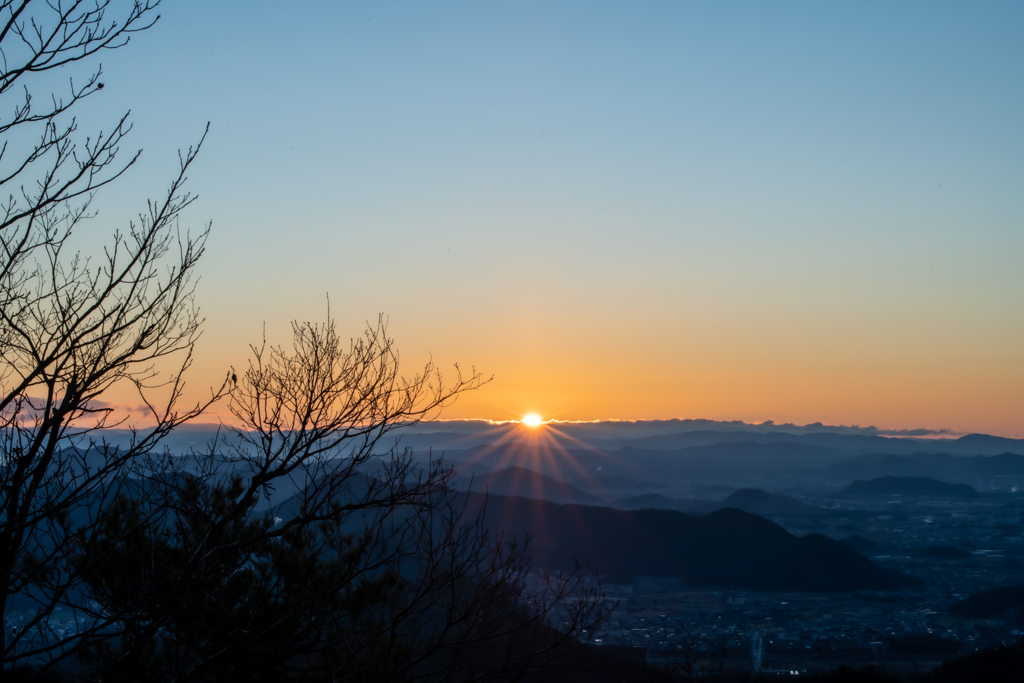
[74, 325]
[287, 547]
[302, 545]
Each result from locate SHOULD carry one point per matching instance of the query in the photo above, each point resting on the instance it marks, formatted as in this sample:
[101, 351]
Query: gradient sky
[796, 211]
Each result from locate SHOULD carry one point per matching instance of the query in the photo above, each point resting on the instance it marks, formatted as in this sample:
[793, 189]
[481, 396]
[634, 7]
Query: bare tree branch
[72, 326]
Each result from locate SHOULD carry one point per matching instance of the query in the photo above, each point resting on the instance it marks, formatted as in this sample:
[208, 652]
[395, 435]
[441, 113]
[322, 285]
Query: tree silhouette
[300, 543]
[74, 325]
[292, 549]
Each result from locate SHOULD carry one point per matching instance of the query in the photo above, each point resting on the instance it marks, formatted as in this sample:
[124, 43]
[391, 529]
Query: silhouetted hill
[908, 486]
[768, 504]
[990, 603]
[727, 547]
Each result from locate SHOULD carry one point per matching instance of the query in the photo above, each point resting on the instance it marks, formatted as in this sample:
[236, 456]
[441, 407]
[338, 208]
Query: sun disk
[532, 420]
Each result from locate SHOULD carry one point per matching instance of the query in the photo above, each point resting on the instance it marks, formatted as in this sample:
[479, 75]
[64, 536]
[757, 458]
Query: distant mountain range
[681, 459]
[672, 435]
[634, 471]
[680, 434]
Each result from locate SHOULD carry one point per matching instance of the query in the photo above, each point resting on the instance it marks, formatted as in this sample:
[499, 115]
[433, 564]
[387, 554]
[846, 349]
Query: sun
[532, 420]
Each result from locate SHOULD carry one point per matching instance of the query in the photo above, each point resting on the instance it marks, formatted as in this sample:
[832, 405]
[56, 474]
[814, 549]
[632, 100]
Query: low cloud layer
[656, 427]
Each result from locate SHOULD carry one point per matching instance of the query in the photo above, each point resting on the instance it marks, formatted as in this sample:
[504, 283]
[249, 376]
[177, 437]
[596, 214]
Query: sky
[795, 211]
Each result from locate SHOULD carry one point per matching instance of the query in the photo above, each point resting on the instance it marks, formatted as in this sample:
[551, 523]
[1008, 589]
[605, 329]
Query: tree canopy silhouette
[301, 543]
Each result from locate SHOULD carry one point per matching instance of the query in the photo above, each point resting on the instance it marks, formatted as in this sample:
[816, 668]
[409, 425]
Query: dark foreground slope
[728, 547]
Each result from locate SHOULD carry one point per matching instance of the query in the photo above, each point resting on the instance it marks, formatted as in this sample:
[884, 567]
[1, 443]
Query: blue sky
[793, 211]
